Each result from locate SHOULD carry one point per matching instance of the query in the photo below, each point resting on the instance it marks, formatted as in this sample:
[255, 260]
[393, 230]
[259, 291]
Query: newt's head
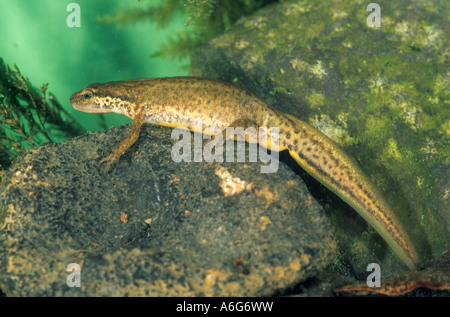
[88, 100]
[97, 98]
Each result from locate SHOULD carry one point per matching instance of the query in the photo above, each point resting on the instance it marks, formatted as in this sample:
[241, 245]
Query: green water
[35, 36]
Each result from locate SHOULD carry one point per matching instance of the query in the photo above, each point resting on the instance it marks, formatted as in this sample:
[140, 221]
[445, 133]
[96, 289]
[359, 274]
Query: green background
[35, 36]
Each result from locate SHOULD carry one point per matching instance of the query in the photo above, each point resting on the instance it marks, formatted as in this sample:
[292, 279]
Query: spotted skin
[178, 101]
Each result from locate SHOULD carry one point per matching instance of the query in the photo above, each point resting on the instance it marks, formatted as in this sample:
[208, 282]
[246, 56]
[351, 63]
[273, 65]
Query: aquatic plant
[29, 116]
[205, 19]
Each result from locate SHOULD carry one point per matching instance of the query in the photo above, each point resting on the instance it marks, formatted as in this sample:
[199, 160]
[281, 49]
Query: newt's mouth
[81, 103]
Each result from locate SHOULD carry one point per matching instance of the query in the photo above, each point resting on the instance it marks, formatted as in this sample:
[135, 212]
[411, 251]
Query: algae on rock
[185, 234]
[381, 93]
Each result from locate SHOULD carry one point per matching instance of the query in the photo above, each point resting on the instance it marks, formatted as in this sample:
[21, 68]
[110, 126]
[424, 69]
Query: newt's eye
[88, 95]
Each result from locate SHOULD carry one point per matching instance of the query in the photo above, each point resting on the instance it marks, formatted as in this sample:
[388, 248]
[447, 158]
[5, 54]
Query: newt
[178, 101]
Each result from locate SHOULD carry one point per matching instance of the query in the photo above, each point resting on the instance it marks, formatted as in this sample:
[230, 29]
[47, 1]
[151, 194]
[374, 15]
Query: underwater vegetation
[30, 116]
[205, 19]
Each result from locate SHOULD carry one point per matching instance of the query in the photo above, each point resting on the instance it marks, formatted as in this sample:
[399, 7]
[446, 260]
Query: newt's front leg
[125, 144]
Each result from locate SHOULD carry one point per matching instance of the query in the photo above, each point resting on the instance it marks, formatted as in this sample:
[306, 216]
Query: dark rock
[431, 281]
[152, 226]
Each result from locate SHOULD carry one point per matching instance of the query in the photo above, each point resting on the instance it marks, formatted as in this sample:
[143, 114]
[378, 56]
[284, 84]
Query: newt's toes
[109, 161]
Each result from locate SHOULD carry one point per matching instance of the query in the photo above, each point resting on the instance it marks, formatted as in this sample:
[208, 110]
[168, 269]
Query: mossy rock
[154, 227]
[380, 93]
